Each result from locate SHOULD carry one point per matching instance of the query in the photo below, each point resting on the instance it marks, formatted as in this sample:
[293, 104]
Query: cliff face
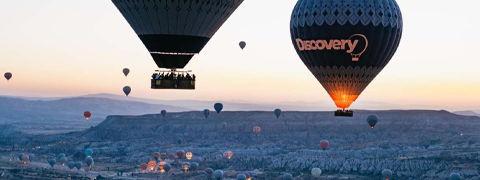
[414, 144]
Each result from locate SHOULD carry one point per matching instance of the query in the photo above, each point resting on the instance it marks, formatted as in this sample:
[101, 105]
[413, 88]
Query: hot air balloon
[19, 156]
[25, 158]
[209, 171]
[324, 144]
[8, 76]
[250, 173]
[63, 161]
[218, 157]
[163, 156]
[241, 177]
[87, 115]
[218, 174]
[143, 167]
[152, 165]
[248, 177]
[316, 172]
[287, 176]
[242, 44]
[52, 162]
[171, 157]
[163, 113]
[179, 141]
[160, 166]
[193, 166]
[227, 154]
[78, 165]
[174, 31]
[455, 176]
[31, 157]
[218, 107]
[387, 174]
[372, 120]
[89, 161]
[224, 125]
[277, 112]
[88, 152]
[206, 112]
[345, 44]
[126, 71]
[197, 160]
[180, 154]
[167, 167]
[189, 155]
[186, 166]
[156, 156]
[127, 90]
[71, 165]
[60, 155]
[257, 130]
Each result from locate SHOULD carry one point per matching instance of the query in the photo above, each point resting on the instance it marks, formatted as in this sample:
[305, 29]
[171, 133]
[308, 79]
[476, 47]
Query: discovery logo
[334, 44]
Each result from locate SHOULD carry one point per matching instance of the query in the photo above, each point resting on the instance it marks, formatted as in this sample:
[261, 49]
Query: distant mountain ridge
[467, 113]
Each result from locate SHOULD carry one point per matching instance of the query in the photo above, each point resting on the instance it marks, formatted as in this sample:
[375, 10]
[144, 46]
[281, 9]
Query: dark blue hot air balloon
[372, 120]
[455, 176]
[127, 90]
[346, 44]
[52, 162]
[277, 112]
[163, 113]
[88, 152]
[206, 112]
[218, 107]
[167, 167]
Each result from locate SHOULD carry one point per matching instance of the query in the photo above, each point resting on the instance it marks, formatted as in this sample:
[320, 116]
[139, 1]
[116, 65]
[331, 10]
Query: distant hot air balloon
[167, 167]
[277, 112]
[387, 174]
[455, 176]
[174, 31]
[25, 158]
[71, 165]
[198, 160]
[209, 171]
[218, 157]
[227, 154]
[186, 166]
[60, 155]
[89, 161]
[224, 125]
[257, 130]
[171, 157]
[87, 115]
[316, 172]
[8, 76]
[189, 155]
[63, 161]
[180, 154]
[241, 177]
[324, 144]
[156, 156]
[31, 157]
[179, 141]
[248, 177]
[163, 156]
[19, 156]
[218, 174]
[78, 165]
[372, 120]
[242, 44]
[250, 173]
[193, 167]
[160, 166]
[52, 162]
[163, 113]
[345, 44]
[127, 90]
[206, 112]
[88, 152]
[152, 165]
[143, 167]
[218, 107]
[126, 71]
[287, 176]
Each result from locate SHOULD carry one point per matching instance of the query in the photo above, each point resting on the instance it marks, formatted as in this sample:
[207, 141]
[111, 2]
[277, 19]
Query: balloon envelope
[167, 167]
[163, 156]
[277, 112]
[126, 71]
[163, 113]
[344, 43]
[287, 176]
[31, 157]
[218, 174]
[63, 160]
[8, 76]
[372, 120]
[59, 156]
[143, 167]
[174, 31]
[71, 165]
[455, 176]
[218, 107]
[193, 166]
[87, 114]
[257, 130]
[387, 174]
[78, 165]
[180, 154]
[89, 161]
[224, 125]
[209, 171]
[25, 158]
[316, 172]
[241, 177]
[127, 90]
[88, 152]
[206, 112]
[52, 162]
[242, 44]
[324, 144]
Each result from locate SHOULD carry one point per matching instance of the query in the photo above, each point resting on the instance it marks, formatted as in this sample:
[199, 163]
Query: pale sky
[71, 48]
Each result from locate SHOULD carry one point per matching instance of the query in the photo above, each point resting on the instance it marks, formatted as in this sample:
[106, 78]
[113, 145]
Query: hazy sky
[70, 48]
